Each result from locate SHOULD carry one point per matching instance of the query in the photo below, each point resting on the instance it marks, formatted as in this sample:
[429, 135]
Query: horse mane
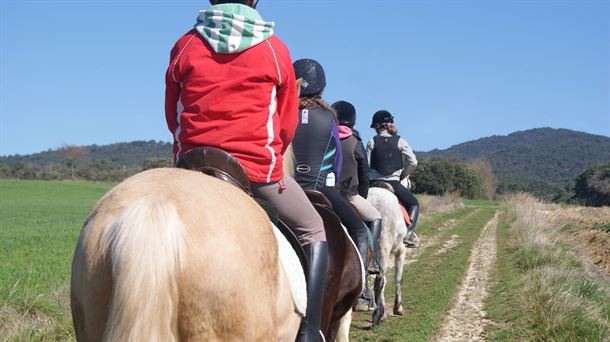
[146, 244]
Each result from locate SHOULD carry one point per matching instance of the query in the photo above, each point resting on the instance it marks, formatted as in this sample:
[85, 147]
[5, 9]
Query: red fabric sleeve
[287, 103]
[172, 92]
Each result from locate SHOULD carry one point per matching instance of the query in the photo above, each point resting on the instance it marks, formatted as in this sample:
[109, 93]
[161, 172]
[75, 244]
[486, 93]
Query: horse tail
[146, 249]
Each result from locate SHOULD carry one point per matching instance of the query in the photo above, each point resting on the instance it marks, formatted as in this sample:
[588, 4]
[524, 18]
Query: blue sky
[92, 72]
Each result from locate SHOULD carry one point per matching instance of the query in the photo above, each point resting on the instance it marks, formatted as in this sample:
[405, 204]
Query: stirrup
[375, 268]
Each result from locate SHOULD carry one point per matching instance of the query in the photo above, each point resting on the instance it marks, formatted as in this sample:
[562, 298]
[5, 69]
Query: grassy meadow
[542, 286]
[39, 225]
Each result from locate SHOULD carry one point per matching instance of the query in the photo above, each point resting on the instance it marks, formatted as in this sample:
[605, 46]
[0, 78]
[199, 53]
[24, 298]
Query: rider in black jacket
[317, 149]
[354, 183]
[391, 160]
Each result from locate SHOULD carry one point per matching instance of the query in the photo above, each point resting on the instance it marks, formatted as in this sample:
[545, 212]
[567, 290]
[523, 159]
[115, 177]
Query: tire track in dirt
[466, 319]
[448, 245]
[428, 241]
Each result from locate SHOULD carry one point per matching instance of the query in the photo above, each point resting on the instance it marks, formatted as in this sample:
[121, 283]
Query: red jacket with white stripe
[243, 103]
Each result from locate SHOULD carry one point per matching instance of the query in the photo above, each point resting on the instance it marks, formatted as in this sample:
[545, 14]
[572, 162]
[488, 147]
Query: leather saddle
[219, 164]
[382, 184]
[387, 186]
[317, 197]
[216, 163]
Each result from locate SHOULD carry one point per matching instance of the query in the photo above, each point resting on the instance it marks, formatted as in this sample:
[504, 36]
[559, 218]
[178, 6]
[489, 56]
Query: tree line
[476, 180]
[435, 176]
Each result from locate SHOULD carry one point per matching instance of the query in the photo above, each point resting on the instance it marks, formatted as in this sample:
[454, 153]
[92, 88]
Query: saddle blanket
[291, 264]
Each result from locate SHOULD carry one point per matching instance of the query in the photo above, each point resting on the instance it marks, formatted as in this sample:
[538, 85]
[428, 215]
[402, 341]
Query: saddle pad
[405, 214]
[292, 267]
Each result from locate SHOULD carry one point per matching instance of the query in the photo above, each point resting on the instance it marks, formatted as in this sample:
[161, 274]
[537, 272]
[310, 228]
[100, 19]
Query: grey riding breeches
[294, 209]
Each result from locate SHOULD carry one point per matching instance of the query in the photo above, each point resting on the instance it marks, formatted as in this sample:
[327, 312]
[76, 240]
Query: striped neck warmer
[232, 28]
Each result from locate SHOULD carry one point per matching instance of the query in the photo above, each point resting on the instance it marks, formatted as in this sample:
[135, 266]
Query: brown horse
[174, 255]
[345, 275]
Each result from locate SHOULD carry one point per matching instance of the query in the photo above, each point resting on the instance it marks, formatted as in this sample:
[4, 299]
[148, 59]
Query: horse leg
[379, 313]
[342, 331]
[398, 271]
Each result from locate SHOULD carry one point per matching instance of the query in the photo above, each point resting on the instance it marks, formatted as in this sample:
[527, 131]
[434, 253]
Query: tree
[592, 187]
[102, 170]
[73, 155]
[488, 181]
[153, 163]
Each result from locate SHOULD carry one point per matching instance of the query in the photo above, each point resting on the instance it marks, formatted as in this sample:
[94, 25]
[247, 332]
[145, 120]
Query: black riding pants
[406, 197]
[354, 225]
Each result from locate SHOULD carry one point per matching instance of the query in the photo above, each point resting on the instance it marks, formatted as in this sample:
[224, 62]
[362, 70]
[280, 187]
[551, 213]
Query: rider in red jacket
[240, 97]
[230, 85]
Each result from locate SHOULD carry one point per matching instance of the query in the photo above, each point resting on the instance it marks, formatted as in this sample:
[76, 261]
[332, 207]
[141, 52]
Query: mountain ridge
[541, 154]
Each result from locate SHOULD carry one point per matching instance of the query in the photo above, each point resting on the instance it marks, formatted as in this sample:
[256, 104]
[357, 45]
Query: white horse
[390, 244]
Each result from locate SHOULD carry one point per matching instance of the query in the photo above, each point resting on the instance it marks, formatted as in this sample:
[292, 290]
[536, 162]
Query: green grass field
[39, 226]
[40, 223]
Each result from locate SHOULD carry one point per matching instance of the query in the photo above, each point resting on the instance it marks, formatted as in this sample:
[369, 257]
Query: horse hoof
[398, 311]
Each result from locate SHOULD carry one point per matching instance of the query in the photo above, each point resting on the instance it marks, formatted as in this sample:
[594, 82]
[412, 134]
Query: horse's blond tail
[146, 246]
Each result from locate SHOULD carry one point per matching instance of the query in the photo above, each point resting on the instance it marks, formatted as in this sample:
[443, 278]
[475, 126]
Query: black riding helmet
[381, 117]
[312, 73]
[243, 2]
[346, 113]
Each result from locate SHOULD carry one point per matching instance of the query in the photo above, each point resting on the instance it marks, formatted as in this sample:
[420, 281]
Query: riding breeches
[405, 196]
[366, 209]
[294, 209]
[354, 225]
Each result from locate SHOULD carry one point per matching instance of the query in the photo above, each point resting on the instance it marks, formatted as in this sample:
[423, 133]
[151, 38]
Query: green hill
[536, 157]
[542, 160]
[128, 154]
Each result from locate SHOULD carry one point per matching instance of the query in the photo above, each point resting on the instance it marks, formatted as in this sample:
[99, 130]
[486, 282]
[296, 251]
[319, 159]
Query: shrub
[592, 187]
[440, 176]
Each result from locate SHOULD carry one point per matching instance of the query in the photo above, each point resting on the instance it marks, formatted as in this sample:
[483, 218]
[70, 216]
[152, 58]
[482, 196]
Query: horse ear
[299, 83]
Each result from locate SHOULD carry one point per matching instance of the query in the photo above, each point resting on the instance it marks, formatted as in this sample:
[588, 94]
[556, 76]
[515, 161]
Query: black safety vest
[386, 157]
[314, 147]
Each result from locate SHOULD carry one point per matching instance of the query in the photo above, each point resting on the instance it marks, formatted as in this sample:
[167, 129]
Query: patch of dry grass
[31, 322]
[560, 299]
[432, 205]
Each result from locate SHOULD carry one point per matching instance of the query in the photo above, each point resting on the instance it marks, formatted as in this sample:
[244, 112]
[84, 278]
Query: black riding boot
[317, 255]
[375, 227]
[413, 214]
[361, 241]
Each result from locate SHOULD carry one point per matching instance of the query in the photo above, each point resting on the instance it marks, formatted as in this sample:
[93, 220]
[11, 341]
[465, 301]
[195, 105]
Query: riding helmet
[346, 113]
[381, 117]
[312, 73]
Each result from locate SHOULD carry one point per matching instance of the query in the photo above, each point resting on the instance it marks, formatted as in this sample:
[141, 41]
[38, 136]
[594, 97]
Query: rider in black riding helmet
[391, 160]
[317, 150]
[354, 184]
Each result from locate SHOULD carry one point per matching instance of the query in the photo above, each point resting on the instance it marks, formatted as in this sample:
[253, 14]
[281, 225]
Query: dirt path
[465, 321]
[426, 241]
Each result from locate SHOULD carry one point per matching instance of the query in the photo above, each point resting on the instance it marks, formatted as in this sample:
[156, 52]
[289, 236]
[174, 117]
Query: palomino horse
[174, 255]
[390, 245]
